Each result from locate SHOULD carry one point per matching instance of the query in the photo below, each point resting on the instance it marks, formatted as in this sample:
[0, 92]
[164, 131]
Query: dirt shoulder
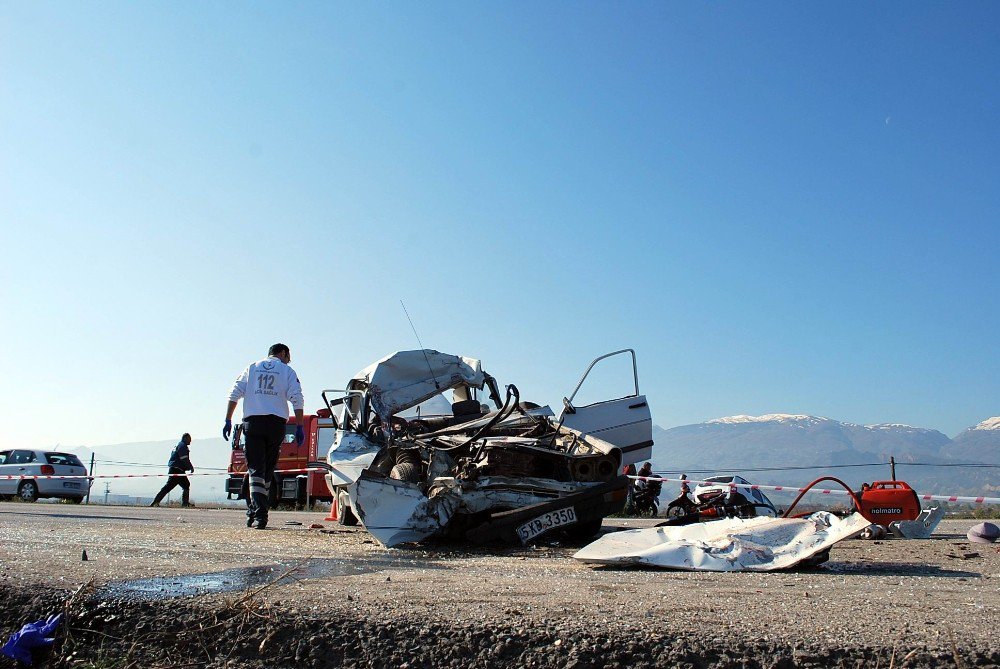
[933, 600]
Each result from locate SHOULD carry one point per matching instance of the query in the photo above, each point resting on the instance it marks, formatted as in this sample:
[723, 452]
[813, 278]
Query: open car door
[624, 422]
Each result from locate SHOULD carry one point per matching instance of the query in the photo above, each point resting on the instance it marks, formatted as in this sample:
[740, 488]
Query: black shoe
[250, 519]
[188, 505]
[262, 523]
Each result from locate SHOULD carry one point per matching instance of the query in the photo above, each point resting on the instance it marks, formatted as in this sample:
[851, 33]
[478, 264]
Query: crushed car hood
[730, 544]
[407, 378]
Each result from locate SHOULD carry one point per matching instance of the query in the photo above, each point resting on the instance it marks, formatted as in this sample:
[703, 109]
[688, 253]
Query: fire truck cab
[292, 486]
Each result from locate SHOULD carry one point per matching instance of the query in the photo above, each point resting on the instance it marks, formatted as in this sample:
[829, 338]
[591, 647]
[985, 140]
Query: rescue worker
[178, 465]
[266, 387]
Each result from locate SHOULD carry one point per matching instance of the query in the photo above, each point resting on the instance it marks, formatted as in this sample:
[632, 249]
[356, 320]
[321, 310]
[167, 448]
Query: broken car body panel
[730, 544]
[625, 422]
[471, 472]
[407, 378]
[921, 528]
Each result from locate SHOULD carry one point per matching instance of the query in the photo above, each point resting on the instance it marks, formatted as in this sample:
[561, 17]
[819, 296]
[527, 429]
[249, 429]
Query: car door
[22, 463]
[7, 486]
[625, 422]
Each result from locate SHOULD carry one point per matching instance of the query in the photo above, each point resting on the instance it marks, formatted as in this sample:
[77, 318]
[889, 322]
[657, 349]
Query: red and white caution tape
[145, 476]
[821, 491]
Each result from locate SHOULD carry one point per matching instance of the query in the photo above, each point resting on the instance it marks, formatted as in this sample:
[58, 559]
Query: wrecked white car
[411, 463]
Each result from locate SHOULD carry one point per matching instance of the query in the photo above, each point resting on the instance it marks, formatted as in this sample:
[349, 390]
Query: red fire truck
[294, 487]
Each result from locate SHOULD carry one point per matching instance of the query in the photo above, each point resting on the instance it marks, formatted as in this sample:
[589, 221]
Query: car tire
[406, 471]
[346, 517]
[28, 491]
[585, 530]
[76, 500]
[345, 514]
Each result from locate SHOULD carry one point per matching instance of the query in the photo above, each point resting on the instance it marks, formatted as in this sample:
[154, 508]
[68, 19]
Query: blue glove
[300, 435]
[31, 636]
[227, 429]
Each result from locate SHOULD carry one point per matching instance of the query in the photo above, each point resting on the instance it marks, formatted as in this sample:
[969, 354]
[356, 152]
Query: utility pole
[107, 489]
[892, 467]
[90, 482]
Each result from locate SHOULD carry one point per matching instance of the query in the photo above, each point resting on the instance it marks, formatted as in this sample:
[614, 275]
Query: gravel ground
[348, 601]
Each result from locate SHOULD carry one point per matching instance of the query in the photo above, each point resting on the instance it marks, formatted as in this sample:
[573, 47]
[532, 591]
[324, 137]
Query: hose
[857, 502]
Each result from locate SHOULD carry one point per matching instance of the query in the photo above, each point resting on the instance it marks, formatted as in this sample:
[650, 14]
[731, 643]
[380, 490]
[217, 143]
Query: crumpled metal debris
[730, 544]
[409, 462]
[921, 528]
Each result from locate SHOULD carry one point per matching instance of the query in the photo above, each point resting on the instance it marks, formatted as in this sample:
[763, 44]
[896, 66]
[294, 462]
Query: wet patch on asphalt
[239, 579]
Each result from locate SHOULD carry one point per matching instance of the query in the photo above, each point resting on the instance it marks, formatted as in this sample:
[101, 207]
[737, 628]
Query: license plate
[546, 522]
[71, 484]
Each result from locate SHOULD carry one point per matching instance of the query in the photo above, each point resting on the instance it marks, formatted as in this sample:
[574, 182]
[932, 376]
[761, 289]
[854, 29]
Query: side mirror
[569, 407]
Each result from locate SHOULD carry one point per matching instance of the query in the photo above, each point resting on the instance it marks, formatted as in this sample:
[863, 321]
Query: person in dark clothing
[179, 463]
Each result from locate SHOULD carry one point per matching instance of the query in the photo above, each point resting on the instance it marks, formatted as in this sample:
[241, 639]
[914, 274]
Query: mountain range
[925, 458]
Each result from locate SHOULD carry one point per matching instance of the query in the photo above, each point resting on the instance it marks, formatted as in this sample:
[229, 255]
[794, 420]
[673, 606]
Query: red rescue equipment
[886, 502]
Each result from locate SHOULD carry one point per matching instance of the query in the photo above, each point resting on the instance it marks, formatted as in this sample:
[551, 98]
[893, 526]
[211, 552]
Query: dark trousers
[263, 435]
[172, 483]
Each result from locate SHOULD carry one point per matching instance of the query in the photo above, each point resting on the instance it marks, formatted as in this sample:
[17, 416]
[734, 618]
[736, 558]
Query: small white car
[723, 487]
[30, 462]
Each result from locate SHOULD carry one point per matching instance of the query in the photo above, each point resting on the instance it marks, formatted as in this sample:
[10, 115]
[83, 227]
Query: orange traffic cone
[333, 510]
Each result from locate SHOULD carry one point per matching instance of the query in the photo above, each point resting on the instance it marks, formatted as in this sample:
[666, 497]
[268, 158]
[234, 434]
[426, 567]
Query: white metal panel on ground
[731, 544]
[921, 528]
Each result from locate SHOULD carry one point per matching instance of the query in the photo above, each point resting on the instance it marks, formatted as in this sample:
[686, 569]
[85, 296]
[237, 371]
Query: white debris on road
[731, 544]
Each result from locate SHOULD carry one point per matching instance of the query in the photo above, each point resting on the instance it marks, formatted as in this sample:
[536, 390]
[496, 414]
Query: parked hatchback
[24, 462]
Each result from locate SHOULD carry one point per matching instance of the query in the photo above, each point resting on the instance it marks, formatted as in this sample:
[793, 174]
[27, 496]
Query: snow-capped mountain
[796, 440]
[738, 443]
[980, 443]
[988, 424]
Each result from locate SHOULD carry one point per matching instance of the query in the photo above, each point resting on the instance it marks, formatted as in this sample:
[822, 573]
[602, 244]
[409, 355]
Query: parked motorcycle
[645, 499]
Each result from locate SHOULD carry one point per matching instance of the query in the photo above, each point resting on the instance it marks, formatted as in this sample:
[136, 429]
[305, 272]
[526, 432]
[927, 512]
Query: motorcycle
[682, 505]
[645, 499]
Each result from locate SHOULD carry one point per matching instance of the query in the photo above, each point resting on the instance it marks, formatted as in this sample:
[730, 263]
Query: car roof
[726, 478]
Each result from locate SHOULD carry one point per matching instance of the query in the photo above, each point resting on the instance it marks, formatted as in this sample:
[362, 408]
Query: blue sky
[782, 208]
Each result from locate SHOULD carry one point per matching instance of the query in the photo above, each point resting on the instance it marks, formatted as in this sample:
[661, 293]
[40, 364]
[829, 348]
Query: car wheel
[346, 517]
[76, 500]
[345, 514]
[28, 492]
[406, 471]
[584, 530]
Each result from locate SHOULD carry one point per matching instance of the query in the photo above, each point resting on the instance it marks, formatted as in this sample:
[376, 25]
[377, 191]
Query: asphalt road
[875, 594]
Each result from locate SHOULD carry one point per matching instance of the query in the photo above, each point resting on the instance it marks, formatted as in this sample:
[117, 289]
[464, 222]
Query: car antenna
[430, 369]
